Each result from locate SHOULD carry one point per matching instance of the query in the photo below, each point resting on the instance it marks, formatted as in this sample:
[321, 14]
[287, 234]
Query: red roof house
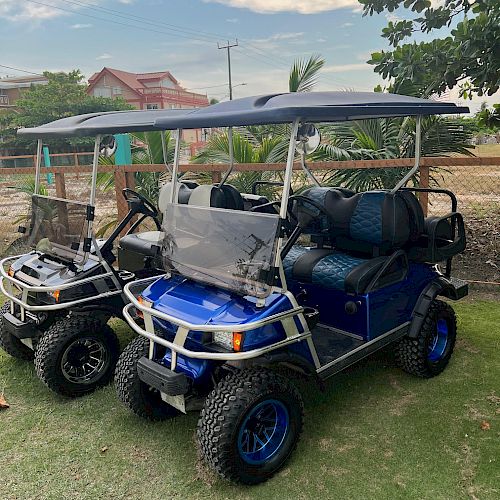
[159, 90]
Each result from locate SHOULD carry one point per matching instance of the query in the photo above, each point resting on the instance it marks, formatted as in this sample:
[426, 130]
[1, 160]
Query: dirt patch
[481, 259]
[405, 399]
[466, 346]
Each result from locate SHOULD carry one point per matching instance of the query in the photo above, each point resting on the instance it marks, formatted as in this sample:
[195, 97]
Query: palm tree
[386, 138]
[304, 74]
[150, 151]
[260, 144]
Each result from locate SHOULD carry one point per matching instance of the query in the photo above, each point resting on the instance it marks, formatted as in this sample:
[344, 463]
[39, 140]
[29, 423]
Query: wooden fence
[124, 174]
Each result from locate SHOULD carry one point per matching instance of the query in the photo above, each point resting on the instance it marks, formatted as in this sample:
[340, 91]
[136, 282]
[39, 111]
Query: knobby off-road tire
[10, 344]
[230, 419]
[429, 353]
[77, 354]
[143, 400]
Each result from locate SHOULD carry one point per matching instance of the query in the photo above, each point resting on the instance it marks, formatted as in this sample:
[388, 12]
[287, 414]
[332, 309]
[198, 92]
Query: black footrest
[458, 289]
[162, 378]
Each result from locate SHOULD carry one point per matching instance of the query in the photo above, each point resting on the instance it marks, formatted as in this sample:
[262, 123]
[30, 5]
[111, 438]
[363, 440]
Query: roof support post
[164, 151]
[231, 156]
[418, 147]
[38, 164]
[175, 170]
[289, 169]
[95, 164]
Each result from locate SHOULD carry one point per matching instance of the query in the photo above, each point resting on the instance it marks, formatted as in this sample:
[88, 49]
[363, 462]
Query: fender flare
[439, 286]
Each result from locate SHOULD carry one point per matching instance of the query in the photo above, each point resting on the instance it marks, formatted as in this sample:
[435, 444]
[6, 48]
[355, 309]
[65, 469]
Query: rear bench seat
[366, 232]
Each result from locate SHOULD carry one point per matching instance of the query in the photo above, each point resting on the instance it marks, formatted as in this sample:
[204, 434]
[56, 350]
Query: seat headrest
[234, 200]
[207, 195]
[183, 194]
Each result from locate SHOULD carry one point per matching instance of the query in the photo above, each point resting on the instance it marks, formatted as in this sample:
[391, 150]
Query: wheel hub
[84, 360]
[438, 342]
[263, 432]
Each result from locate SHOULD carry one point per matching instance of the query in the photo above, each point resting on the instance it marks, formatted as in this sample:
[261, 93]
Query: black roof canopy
[308, 106]
[110, 122]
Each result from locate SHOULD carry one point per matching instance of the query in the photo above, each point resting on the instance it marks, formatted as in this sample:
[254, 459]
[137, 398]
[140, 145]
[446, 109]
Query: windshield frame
[80, 255]
[232, 249]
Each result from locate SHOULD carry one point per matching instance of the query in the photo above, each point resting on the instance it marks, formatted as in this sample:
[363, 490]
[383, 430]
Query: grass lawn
[375, 433]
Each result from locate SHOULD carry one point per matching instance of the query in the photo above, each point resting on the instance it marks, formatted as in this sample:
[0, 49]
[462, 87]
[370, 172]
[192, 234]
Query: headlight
[144, 302]
[55, 294]
[232, 341]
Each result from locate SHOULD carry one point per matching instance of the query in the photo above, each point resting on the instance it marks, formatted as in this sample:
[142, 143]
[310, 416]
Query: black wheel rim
[84, 361]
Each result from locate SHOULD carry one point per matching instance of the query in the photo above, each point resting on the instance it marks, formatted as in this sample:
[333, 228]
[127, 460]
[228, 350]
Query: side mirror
[308, 139]
[107, 147]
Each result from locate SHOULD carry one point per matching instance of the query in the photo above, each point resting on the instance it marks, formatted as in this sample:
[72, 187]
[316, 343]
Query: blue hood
[203, 304]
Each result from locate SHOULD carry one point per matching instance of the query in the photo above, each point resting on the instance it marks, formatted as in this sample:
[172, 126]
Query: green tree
[64, 95]
[489, 119]
[469, 57]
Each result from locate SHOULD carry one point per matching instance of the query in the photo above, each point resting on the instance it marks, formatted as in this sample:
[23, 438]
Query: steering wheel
[290, 214]
[308, 201]
[131, 196]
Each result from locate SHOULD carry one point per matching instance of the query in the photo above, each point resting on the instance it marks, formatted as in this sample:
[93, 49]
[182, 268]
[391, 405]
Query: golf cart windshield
[58, 228]
[228, 248]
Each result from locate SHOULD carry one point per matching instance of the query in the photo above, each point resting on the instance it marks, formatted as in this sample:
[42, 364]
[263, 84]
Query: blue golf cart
[243, 304]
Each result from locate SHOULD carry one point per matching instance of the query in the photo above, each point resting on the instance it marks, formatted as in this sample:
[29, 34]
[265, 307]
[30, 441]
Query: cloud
[80, 26]
[13, 10]
[279, 36]
[300, 6]
[347, 25]
[233, 20]
[391, 17]
[103, 56]
[341, 68]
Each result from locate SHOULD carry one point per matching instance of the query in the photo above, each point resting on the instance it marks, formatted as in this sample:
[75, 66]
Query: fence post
[120, 184]
[130, 180]
[216, 177]
[60, 185]
[424, 183]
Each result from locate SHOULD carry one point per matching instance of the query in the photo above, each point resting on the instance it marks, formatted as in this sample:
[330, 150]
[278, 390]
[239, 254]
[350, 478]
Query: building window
[117, 90]
[102, 92]
[167, 83]
[152, 106]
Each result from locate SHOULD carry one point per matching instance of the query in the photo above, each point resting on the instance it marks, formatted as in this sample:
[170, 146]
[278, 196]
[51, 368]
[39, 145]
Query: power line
[207, 87]
[248, 50]
[20, 70]
[127, 25]
[180, 31]
[193, 34]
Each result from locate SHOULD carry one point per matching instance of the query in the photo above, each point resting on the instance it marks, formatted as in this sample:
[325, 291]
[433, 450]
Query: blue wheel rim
[263, 431]
[439, 341]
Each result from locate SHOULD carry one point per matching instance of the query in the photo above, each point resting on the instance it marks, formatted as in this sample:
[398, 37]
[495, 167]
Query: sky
[182, 36]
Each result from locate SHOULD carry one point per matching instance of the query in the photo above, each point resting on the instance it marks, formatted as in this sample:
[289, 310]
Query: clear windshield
[58, 228]
[228, 248]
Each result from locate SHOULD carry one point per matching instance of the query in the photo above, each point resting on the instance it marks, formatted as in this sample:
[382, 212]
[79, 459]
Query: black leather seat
[366, 232]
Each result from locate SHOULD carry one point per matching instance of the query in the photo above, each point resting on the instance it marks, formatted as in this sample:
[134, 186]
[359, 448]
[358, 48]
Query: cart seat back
[369, 223]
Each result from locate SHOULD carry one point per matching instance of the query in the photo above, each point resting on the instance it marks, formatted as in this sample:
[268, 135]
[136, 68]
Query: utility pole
[228, 47]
